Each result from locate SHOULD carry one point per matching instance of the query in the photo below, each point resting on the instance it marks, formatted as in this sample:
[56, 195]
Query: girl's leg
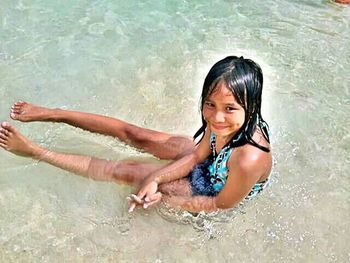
[133, 173]
[103, 170]
[160, 144]
[179, 187]
[127, 172]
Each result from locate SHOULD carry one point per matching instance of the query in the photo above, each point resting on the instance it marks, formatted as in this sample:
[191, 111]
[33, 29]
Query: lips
[219, 127]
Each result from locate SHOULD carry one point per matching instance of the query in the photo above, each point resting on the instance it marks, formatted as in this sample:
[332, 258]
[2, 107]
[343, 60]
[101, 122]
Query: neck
[224, 139]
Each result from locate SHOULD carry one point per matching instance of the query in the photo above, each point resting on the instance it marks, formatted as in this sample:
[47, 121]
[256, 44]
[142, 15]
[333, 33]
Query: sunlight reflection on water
[145, 62]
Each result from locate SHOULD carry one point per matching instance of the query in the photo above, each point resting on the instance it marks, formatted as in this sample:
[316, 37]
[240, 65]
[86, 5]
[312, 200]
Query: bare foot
[26, 112]
[13, 141]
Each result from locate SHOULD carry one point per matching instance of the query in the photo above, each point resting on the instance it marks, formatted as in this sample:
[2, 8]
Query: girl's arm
[244, 171]
[177, 169]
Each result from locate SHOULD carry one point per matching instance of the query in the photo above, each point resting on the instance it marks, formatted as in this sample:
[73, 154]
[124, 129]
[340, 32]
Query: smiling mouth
[219, 127]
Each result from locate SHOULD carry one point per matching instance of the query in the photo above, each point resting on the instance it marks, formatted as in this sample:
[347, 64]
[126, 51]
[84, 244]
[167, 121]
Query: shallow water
[145, 61]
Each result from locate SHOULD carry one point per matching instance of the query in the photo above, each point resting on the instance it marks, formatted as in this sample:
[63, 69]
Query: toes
[14, 116]
[3, 145]
[16, 111]
[19, 103]
[16, 108]
[4, 132]
[7, 126]
[4, 124]
[3, 136]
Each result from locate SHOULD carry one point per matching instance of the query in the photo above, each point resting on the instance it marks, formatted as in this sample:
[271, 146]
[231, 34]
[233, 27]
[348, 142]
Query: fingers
[132, 207]
[146, 196]
[155, 196]
[152, 200]
[148, 190]
[140, 195]
[135, 201]
[132, 204]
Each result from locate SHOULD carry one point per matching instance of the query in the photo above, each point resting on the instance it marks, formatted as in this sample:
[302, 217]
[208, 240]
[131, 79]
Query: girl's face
[222, 113]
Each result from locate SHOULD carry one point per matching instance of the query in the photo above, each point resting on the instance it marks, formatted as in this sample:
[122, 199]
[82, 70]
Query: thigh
[179, 187]
[133, 172]
[160, 144]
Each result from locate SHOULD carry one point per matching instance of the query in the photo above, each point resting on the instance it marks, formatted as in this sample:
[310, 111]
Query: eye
[209, 104]
[230, 109]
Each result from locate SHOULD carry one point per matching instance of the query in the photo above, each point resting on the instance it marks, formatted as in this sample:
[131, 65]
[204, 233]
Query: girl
[231, 161]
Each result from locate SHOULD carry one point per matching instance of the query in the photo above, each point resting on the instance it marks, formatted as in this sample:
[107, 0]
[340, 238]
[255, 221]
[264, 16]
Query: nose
[219, 116]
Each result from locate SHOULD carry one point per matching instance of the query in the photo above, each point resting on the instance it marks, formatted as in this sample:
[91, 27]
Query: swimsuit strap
[218, 170]
[258, 187]
[213, 144]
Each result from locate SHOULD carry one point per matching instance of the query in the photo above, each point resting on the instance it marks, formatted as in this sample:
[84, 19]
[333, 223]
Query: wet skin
[247, 164]
[224, 116]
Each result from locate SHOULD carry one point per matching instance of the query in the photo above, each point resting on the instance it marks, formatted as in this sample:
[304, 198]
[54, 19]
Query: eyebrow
[227, 104]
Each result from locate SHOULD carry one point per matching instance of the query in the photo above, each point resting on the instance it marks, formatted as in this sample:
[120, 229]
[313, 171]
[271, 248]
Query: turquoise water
[145, 62]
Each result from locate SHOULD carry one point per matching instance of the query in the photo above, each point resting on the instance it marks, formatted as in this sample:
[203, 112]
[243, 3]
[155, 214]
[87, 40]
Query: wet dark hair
[244, 78]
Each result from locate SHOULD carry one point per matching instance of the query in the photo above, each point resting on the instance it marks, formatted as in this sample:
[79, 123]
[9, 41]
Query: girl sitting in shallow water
[231, 161]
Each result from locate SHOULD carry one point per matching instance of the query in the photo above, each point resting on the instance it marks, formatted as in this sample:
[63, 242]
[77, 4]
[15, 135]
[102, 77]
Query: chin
[223, 132]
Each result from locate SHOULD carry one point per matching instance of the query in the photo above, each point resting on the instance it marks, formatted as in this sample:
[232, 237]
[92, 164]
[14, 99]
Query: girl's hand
[134, 201]
[152, 200]
[147, 190]
[147, 196]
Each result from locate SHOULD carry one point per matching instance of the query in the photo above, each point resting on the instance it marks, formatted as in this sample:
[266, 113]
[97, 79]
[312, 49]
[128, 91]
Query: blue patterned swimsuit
[208, 178]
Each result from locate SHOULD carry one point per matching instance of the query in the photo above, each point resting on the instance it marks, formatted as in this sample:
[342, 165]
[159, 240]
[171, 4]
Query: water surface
[145, 61]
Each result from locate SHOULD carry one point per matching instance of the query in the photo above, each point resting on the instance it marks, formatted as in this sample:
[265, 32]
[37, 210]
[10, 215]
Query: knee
[126, 169]
[186, 145]
[165, 188]
[123, 171]
[177, 188]
[135, 134]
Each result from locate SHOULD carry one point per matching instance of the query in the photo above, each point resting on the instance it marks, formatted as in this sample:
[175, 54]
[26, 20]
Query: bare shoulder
[252, 160]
